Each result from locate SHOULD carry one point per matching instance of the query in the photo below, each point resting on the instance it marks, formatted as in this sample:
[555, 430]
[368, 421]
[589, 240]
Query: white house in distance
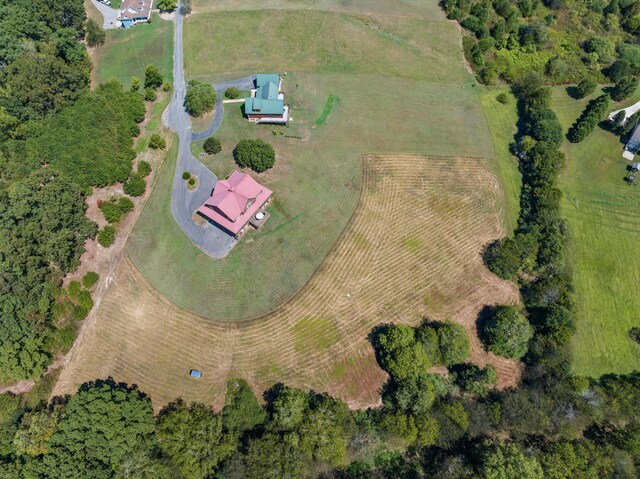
[633, 144]
[135, 11]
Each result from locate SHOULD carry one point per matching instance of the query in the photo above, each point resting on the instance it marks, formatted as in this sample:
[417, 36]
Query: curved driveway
[109, 15]
[184, 202]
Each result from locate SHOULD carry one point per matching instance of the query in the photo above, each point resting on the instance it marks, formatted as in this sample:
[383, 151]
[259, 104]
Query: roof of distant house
[234, 201]
[135, 8]
[635, 136]
[263, 78]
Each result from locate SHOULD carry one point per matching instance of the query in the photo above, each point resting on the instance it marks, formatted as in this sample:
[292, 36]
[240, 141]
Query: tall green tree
[399, 353]
[193, 437]
[104, 424]
[507, 332]
[152, 77]
[241, 410]
[200, 98]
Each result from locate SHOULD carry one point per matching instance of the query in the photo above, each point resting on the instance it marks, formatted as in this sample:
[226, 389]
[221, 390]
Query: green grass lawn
[316, 182]
[126, 53]
[404, 8]
[385, 71]
[313, 41]
[602, 211]
[502, 124]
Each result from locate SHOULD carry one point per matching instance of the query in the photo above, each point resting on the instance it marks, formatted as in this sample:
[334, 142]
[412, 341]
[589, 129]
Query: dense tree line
[566, 40]
[586, 428]
[57, 140]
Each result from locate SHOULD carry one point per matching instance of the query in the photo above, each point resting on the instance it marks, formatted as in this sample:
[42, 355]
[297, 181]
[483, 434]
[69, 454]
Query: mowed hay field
[602, 212]
[384, 195]
[411, 249]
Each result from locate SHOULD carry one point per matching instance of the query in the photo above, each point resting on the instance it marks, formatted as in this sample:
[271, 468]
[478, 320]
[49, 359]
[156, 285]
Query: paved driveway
[246, 83]
[110, 15]
[211, 240]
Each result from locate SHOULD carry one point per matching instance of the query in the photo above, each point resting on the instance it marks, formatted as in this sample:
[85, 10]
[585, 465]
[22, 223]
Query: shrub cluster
[90, 279]
[255, 154]
[95, 34]
[589, 119]
[624, 88]
[152, 77]
[232, 93]
[212, 146]
[586, 87]
[107, 236]
[135, 185]
[157, 142]
[144, 168]
[115, 208]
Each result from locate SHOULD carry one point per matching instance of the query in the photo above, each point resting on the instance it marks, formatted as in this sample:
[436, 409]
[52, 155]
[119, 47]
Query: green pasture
[402, 8]
[231, 44]
[126, 53]
[316, 184]
[502, 125]
[602, 211]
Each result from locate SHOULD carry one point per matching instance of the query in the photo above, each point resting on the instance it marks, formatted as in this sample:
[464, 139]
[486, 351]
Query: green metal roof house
[266, 103]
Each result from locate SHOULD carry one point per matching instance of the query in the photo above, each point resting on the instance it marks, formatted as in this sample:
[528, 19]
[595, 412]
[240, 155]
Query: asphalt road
[184, 202]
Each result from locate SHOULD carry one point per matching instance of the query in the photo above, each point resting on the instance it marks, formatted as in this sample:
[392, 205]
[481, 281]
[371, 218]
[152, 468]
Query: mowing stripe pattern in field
[411, 249]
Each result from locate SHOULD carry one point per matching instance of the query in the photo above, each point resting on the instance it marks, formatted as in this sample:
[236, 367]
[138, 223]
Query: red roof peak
[234, 201]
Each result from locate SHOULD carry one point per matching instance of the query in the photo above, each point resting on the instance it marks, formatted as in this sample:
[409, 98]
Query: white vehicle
[106, 2]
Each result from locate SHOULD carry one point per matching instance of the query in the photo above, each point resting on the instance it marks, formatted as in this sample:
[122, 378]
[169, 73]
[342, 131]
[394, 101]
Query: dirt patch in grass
[318, 340]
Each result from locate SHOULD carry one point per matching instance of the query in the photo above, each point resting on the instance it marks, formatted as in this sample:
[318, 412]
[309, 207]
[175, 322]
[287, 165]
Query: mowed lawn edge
[126, 53]
[601, 210]
[316, 188]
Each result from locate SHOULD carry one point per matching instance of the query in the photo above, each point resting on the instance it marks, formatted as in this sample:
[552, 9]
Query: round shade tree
[152, 77]
[255, 154]
[454, 343]
[212, 146]
[399, 353]
[507, 332]
[200, 98]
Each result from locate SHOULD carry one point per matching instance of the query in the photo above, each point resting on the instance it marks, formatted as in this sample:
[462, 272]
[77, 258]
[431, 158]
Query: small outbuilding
[194, 373]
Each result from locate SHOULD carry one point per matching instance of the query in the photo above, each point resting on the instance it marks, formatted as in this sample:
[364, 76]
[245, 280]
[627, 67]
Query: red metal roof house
[234, 202]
